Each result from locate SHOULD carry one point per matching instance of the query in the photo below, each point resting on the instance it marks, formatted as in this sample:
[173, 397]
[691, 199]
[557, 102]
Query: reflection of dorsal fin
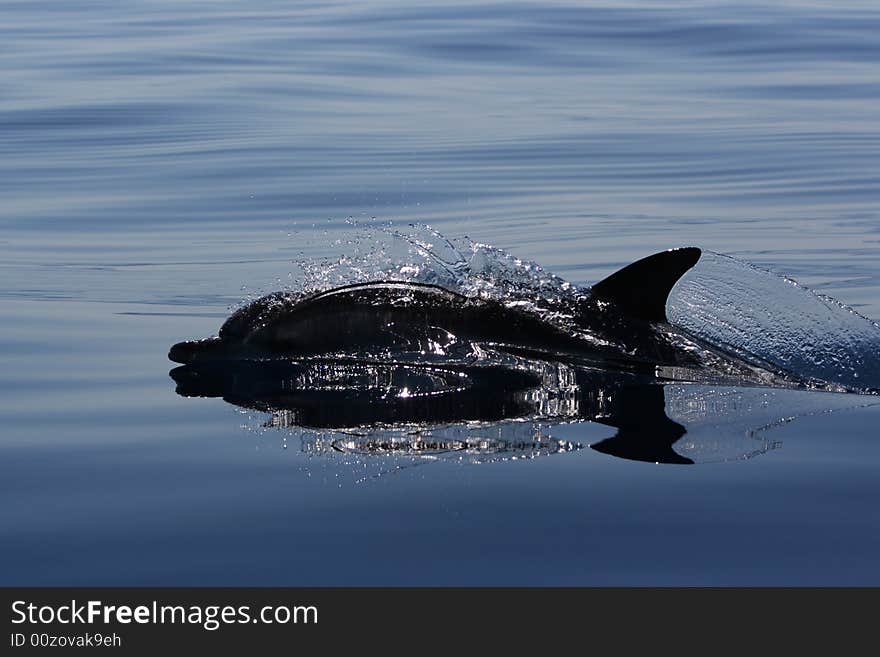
[640, 289]
[644, 431]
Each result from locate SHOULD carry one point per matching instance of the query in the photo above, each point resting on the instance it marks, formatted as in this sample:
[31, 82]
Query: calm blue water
[159, 160]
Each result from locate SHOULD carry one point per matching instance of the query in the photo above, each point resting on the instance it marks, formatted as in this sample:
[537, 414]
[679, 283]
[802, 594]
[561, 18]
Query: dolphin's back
[280, 306]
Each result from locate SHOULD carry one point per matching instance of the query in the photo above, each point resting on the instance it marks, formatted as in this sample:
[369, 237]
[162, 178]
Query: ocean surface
[160, 162]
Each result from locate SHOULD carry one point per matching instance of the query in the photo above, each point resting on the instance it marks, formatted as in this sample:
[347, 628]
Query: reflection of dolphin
[350, 394]
[619, 324]
[346, 393]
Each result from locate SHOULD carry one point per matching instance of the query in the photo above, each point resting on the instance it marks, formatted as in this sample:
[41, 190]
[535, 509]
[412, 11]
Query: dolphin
[620, 324]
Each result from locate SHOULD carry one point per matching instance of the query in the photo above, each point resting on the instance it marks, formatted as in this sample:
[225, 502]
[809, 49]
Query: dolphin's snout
[180, 353]
[191, 350]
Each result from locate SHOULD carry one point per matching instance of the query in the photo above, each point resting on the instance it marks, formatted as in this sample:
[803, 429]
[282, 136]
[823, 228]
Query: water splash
[374, 250]
[764, 317]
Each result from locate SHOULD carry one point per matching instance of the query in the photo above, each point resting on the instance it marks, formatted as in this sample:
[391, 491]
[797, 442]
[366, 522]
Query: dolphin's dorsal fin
[640, 289]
